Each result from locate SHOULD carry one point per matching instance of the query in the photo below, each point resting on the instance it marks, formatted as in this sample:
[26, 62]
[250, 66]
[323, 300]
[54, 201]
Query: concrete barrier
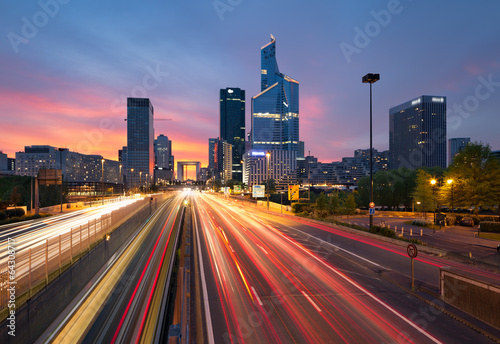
[474, 296]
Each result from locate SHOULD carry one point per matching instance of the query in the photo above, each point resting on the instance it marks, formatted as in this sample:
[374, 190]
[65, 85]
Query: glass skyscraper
[455, 145]
[140, 142]
[417, 133]
[275, 110]
[232, 125]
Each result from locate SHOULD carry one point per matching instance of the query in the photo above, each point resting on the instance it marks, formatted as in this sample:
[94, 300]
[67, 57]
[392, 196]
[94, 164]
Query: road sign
[372, 211]
[258, 191]
[412, 251]
[372, 205]
[293, 192]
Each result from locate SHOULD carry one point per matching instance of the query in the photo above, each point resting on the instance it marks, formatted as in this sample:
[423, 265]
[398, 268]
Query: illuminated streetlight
[102, 180]
[370, 79]
[121, 184]
[268, 155]
[450, 182]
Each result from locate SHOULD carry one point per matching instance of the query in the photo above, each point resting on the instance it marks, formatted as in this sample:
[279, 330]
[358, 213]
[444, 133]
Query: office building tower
[455, 145]
[223, 160]
[275, 110]
[4, 162]
[257, 167]
[211, 152]
[417, 133]
[163, 153]
[232, 125]
[140, 142]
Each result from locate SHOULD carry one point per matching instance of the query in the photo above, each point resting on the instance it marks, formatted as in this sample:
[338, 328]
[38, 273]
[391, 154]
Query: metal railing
[29, 269]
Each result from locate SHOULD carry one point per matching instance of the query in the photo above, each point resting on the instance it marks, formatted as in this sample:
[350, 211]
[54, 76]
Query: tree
[15, 197]
[322, 202]
[424, 195]
[350, 204]
[476, 176]
[334, 204]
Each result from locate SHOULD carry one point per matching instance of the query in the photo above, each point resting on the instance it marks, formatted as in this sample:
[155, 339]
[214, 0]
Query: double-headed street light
[268, 155]
[370, 78]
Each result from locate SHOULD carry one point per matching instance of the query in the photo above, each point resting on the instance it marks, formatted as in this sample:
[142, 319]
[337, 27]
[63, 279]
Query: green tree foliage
[322, 202]
[424, 194]
[476, 176]
[391, 188]
[350, 204]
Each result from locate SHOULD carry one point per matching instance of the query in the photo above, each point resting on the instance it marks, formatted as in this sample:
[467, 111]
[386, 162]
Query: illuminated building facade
[417, 133]
[275, 110]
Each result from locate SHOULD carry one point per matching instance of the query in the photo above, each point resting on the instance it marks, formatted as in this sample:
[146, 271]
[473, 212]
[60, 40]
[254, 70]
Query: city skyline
[69, 68]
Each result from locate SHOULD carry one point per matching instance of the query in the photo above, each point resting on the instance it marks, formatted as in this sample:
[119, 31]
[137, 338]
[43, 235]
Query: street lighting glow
[449, 181]
[433, 182]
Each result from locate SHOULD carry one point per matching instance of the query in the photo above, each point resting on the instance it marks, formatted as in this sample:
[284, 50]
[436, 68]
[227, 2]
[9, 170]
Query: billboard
[258, 191]
[237, 189]
[293, 192]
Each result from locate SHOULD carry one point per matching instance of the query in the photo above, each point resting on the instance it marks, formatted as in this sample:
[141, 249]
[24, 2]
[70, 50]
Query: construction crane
[158, 119]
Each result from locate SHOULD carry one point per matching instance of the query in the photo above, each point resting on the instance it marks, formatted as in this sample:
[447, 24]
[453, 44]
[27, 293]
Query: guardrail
[30, 269]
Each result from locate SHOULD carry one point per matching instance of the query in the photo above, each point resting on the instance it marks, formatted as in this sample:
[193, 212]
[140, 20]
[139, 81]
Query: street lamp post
[121, 184]
[450, 181]
[102, 180]
[140, 180]
[131, 178]
[268, 155]
[433, 183]
[370, 78]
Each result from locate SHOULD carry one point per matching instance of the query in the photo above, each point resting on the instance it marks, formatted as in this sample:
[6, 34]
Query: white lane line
[263, 249]
[373, 297]
[344, 250]
[208, 317]
[231, 247]
[257, 296]
[311, 301]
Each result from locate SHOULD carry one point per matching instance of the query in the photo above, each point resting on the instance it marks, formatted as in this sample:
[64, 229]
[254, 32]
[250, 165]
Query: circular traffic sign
[372, 204]
[412, 251]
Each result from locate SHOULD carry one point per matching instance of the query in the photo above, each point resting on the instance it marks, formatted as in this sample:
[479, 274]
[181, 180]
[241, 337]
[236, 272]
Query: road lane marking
[311, 301]
[208, 317]
[257, 297]
[263, 249]
[344, 250]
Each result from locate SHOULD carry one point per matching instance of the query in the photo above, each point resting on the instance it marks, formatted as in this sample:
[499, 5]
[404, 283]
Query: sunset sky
[67, 67]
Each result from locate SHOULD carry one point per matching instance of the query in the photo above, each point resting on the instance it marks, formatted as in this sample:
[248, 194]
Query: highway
[265, 281]
[32, 233]
[125, 302]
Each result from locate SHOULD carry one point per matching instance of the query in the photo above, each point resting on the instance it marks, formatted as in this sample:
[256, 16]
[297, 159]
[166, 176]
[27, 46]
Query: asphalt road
[123, 302]
[270, 279]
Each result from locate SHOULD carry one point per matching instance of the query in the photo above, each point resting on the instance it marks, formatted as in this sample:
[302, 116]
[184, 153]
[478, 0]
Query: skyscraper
[140, 141]
[275, 110]
[211, 155]
[417, 133]
[455, 145]
[223, 158]
[232, 125]
[163, 152]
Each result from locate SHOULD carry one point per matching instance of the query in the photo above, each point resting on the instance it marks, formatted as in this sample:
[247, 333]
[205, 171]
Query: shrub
[491, 227]
[300, 207]
[303, 214]
[420, 222]
[18, 212]
[383, 231]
